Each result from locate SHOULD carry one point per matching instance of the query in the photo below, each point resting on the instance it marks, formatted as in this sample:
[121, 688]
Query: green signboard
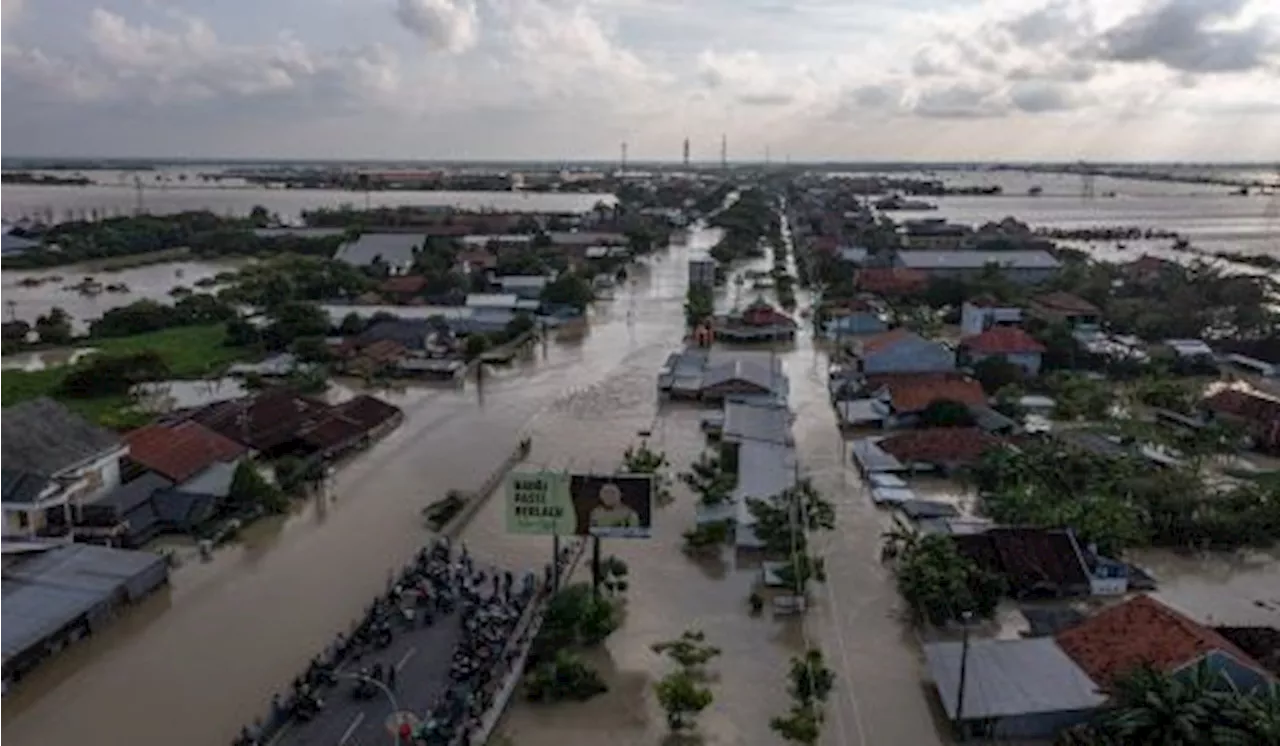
[552, 502]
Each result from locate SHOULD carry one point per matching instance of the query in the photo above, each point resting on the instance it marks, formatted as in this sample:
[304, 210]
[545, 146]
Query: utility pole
[686, 153]
[623, 167]
[965, 618]
[724, 152]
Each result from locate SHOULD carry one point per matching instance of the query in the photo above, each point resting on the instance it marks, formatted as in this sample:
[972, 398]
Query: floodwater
[151, 282]
[159, 198]
[203, 657]
[1218, 588]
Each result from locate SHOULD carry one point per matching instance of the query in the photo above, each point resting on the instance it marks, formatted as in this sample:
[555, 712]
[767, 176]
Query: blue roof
[11, 245]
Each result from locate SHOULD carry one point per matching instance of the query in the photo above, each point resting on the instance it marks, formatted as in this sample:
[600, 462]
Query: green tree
[292, 320]
[946, 413]
[690, 651]
[250, 490]
[476, 345]
[565, 677]
[54, 327]
[569, 289]
[709, 481]
[351, 325]
[940, 584]
[682, 697]
[699, 305]
[996, 373]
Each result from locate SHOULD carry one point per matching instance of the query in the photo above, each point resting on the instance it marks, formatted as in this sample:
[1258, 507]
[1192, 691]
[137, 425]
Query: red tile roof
[264, 421]
[1033, 560]
[1141, 630]
[1065, 303]
[368, 411]
[912, 392]
[407, 284]
[1246, 405]
[179, 451]
[1002, 340]
[939, 445]
[892, 280]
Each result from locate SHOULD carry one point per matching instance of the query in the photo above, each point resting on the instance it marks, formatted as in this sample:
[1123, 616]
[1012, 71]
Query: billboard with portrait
[549, 502]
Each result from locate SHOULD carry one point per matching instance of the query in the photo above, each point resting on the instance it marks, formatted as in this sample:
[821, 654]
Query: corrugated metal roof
[1005, 678]
[43, 437]
[395, 249]
[744, 421]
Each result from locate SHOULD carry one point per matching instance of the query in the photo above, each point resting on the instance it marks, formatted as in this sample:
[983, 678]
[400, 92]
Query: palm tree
[1149, 706]
[899, 540]
[1251, 718]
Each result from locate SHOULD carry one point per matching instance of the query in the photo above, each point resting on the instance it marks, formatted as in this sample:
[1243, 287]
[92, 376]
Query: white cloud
[448, 25]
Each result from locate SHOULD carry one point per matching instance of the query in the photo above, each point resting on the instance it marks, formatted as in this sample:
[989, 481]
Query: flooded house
[1020, 266]
[54, 460]
[758, 322]
[396, 251]
[1007, 343]
[1257, 414]
[714, 375]
[891, 282]
[1061, 307]
[902, 351]
[984, 312]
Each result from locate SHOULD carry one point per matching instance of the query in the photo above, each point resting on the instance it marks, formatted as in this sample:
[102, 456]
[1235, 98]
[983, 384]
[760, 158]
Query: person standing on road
[391, 677]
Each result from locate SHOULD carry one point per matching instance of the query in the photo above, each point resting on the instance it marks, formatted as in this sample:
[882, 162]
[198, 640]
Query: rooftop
[1064, 302]
[938, 445]
[932, 260]
[1141, 631]
[180, 450]
[393, 248]
[1245, 404]
[1006, 678]
[764, 422]
[913, 392]
[1002, 340]
[1034, 560]
[44, 438]
[891, 280]
[885, 340]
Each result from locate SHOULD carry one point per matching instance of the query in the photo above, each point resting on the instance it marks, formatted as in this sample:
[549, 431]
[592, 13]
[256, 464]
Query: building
[702, 272]
[943, 448]
[902, 351]
[852, 323]
[1143, 631]
[397, 251]
[11, 245]
[891, 282]
[1013, 689]
[1059, 307]
[855, 255]
[1260, 357]
[1256, 413]
[526, 287]
[54, 461]
[907, 395]
[55, 594]
[1022, 267]
[934, 234]
[403, 289]
[758, 322]
[1008, 343]
[1035, 562]
[696, 373]
[983, 312]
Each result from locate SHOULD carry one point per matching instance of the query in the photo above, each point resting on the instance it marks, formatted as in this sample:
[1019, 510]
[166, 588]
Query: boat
[898, 202]
[1035, 191]
[1181, 243]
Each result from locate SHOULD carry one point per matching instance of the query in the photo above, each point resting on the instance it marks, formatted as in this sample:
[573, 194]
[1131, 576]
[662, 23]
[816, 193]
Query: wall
[977, 319]
[93, 480]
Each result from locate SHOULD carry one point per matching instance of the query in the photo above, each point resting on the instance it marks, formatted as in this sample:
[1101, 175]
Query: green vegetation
[642, 459]
[187, 352]
[203, 233]
[251, 492]
[938, 583]
[783, 525]
[699, 305]
[290, 278]
[1122, 502]
[569, 289]
[576, 617]
[564, 677]
[709, 480]
[1200, 707]
[946, 413]
[683, 693]
[746, 223]
[810, 683]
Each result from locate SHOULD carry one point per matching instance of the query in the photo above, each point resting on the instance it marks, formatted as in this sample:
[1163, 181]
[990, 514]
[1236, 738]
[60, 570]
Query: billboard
[550, 502]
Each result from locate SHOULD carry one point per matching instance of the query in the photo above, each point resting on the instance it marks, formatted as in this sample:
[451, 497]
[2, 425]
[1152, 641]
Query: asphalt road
[421, 658]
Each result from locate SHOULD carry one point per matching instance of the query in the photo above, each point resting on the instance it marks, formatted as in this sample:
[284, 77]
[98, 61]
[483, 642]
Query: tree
[351, 325]
[690, 651]
[946, 413]
[995, 373]
[709, 481]
[54, 327]
[565, 676]
[569, 289]
[699, 305]
[476, 345]
[311, 350]
[940, 584]
[521, 323]
[249, 490]
[113, 375]
[292, 320]
[242, 333]
[682, 697]
[811, 683]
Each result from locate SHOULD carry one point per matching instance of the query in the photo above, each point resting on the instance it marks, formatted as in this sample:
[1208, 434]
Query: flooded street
[203, 657]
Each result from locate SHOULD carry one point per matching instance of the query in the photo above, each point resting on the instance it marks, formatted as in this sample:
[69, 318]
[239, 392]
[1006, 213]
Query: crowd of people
[438, 582]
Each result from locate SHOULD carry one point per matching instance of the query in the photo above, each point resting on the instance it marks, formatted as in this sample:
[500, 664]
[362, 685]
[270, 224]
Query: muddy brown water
[203, 657]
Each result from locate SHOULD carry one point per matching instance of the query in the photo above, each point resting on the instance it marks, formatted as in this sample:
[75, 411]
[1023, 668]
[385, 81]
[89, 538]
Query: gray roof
[22, 487]
[1005, 678]
[926, 260]
[214, 481]
[11, 244]
[298, 232]
[740, 370]
[585, 238]
[764, 422]
[130, 495]
[50, 589]
[873, 459]
[395, 249]
[45, 438]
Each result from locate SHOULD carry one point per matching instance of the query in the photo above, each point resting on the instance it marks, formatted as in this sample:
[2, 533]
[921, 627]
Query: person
[612, 512]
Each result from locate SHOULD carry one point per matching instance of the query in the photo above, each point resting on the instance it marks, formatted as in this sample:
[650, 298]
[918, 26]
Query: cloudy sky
[571, 79]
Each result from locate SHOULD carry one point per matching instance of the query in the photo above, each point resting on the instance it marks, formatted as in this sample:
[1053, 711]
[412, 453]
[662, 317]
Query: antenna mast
[724, 152]
[686, 152]
[623, 167]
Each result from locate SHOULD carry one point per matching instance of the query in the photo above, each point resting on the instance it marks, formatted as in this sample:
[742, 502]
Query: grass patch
[190, 352]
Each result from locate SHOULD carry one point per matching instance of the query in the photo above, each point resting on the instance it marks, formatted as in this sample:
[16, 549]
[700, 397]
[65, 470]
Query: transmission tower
[623, 167]
[724, 152]
[1088, 182]
[139, 205]
[686, 152]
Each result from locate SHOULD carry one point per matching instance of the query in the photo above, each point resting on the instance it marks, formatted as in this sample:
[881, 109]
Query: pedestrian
[391, 677]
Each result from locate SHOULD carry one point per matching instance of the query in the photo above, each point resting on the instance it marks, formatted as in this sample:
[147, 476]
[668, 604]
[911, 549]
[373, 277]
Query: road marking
[405, 658]
[351, 729]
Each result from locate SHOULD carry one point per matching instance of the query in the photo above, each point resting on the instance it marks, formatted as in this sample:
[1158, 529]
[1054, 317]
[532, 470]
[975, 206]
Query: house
[695, 373]
[403, 289]
[1255, 412]
[1035, 562]
[476, 260]
[1064, 308]
[738, 377]
[758, 322]
[1008, 343]
[1144, 631]
[411, 334]
[1025, 689]
[270, 423]
[510, 302]
[891, 282]
[396, 251]
[11, 245]
[855, 255]
[909, 394]
[935, 234]
[854, 318]
[943, 448]
[1260, 357]
[902, 351]
[525, 287]
[180, 451]
[1146, 270]
[1022, 267]
[53, 461]
[983, 312]
[376, 357]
